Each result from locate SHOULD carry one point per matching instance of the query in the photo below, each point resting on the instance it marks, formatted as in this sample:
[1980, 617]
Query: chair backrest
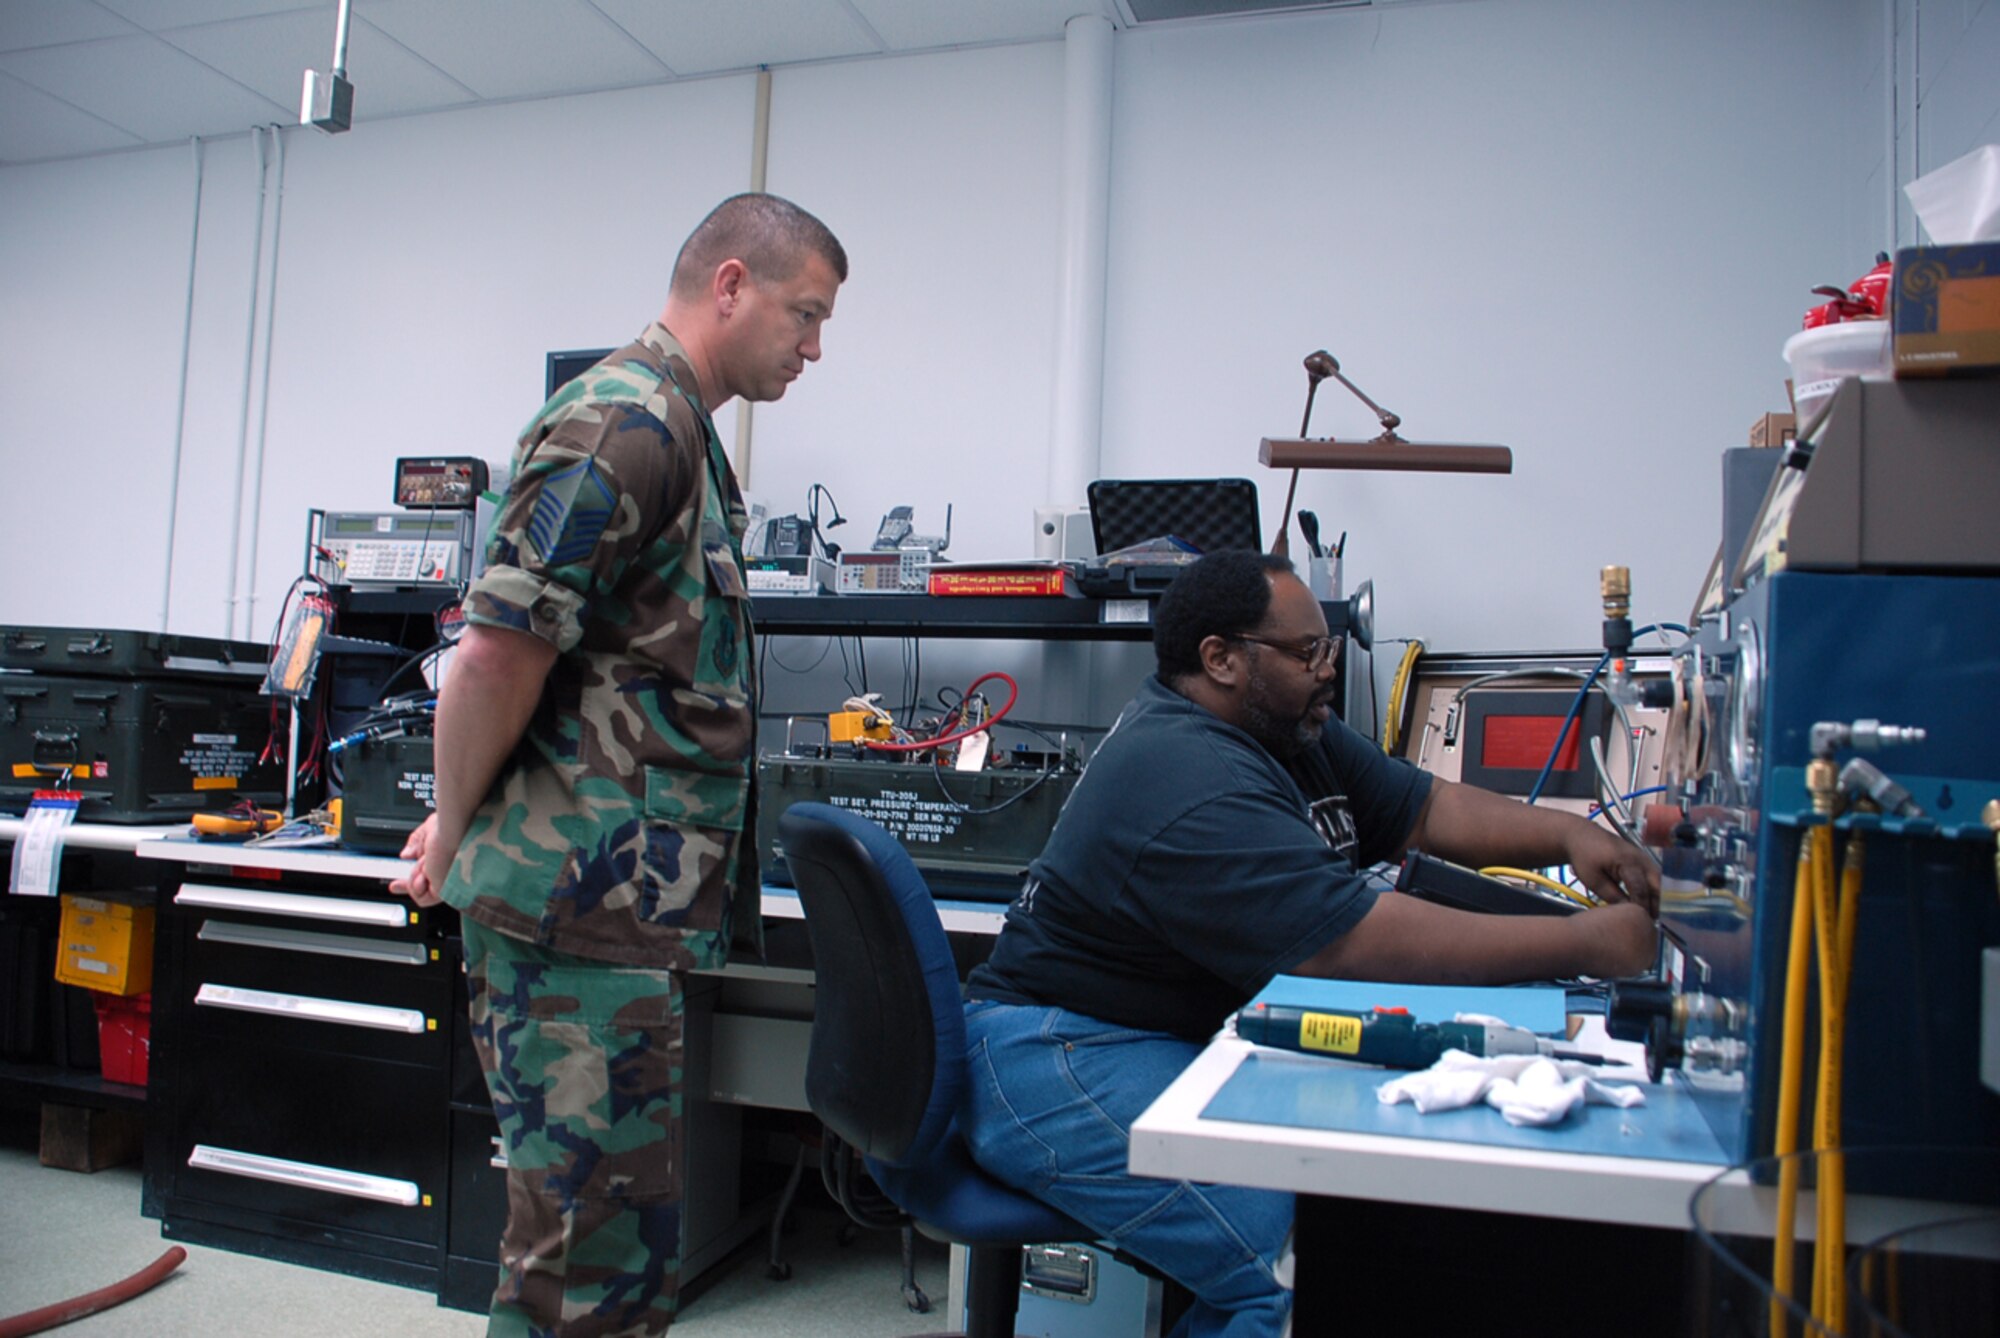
[886, 1063]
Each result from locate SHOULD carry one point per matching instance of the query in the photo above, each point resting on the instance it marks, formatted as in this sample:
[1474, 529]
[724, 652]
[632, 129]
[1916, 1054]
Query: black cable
[826, 648]
[937, 772]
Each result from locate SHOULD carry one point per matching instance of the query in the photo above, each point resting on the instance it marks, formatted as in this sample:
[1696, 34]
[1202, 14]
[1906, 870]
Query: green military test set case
[148, 727]
[386, 792]
[978, 854]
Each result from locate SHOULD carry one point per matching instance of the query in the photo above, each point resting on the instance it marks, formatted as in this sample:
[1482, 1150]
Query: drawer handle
[309, 1009]
[305, 940]
[305, 1175]
[293, 903]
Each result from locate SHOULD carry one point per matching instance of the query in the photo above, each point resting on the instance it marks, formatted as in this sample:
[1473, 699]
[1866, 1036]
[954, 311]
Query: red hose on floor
[62, 1312]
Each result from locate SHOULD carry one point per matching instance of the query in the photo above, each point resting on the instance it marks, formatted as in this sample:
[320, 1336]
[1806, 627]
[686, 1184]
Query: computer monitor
[566, 366]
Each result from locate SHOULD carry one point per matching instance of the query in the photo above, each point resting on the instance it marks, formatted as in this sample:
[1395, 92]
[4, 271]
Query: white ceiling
[81, 77]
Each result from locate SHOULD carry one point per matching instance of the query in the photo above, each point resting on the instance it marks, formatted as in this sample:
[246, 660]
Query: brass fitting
[1615, 585]
[1990, 815]
[1823, 784]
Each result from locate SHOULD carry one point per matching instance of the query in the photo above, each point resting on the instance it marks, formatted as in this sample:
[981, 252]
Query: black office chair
[885, 1069]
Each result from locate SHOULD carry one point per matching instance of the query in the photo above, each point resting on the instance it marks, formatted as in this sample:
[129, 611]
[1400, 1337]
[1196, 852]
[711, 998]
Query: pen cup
[1323, 578]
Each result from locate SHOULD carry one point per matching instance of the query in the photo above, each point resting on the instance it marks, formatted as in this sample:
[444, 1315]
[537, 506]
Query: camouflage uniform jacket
[617, 829]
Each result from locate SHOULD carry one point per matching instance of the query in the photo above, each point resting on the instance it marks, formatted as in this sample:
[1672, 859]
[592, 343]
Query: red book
[1012, 581]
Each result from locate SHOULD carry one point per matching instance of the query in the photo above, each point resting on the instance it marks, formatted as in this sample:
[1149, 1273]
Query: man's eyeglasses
[1315, 655]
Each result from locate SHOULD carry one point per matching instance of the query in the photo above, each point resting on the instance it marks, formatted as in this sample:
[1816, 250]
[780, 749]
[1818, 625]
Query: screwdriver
[1386, 1036]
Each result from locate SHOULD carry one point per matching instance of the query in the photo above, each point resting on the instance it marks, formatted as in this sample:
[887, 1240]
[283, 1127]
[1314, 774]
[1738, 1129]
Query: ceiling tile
[700, 36]
[35, 126]
[271, 55]
[517, 48]
[916, 25]
[158, 15]
[26, 23]
[142, 85]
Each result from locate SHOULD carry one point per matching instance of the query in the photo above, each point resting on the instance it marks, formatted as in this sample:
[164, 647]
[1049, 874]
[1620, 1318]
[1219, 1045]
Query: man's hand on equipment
[1619, 940]
[1612, 867]
[421, 884]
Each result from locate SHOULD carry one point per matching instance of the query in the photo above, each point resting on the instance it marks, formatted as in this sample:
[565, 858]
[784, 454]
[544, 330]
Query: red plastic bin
[124, 1036]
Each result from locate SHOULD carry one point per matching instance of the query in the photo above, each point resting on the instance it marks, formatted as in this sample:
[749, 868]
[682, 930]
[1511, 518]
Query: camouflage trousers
[584, 1063]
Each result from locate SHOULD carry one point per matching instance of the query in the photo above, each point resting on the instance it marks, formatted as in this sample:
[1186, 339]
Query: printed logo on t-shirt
[1334, 821]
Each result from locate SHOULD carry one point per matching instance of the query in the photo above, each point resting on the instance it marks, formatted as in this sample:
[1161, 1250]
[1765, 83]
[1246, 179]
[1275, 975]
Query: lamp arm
[1390, 422]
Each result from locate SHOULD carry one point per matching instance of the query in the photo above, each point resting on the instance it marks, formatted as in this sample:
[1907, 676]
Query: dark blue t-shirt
[1190, 866]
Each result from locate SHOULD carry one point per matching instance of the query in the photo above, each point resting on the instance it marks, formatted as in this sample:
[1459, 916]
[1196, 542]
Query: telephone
[896, 527]
[789, 537]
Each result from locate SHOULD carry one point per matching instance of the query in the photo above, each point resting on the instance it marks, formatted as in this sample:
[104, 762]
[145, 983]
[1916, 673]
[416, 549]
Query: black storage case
[156, 726]
[140, 750]
[386, 792]
[95, 652]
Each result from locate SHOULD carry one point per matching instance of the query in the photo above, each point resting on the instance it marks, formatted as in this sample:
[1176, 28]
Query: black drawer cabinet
[299, 1104]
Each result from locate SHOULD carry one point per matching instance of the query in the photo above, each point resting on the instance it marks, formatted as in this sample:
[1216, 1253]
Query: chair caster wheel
[914, 1298]
[779, 1272]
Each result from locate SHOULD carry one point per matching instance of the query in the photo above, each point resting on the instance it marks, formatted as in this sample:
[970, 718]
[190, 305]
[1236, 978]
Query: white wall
[1578, 227]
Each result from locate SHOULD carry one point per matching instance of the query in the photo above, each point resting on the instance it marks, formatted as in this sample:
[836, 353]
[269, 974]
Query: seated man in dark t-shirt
[1214, 841]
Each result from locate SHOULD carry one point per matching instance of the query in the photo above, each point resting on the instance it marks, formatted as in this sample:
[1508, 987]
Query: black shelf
[75, 1087]
[1045, 618]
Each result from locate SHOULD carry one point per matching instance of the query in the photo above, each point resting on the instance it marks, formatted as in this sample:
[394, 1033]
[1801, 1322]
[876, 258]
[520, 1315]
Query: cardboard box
[1946, 309]
[1774, 429]
[81, 1138]
[105, 945]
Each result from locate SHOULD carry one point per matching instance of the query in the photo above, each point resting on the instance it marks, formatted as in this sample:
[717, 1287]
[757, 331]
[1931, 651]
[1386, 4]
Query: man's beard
[1283, 738]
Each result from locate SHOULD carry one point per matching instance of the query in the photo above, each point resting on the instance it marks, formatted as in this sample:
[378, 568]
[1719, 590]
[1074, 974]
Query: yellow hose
[1831, 1250]
[1392, 724]
[1539, 880]
[1826, 1108]
[1791, 1072]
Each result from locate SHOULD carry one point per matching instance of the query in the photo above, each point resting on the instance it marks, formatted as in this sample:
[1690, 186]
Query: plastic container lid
[1822, 358]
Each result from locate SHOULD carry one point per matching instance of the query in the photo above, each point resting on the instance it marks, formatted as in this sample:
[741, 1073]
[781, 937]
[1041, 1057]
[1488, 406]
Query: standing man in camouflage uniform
[594, 747]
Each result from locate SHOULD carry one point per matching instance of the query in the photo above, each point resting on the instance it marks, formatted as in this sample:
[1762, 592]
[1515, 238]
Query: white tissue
[1960, 202]
[1525, 1089]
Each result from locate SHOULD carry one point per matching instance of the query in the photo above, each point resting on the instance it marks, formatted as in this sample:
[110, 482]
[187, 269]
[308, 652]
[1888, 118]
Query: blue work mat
[1309, 1092]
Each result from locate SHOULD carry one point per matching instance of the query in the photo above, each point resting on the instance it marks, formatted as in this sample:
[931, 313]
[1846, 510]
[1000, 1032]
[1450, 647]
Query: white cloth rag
[1525, 1089]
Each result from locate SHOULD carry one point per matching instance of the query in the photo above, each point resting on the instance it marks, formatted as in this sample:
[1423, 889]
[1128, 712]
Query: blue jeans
[1050, 1110]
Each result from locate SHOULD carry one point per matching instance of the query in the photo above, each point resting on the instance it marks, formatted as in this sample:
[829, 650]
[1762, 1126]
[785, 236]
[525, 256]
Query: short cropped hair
[1225, 593]
[770, 235]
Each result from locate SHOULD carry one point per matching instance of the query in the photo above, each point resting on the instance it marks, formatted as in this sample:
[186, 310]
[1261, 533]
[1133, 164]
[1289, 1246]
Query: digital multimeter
[449, 482]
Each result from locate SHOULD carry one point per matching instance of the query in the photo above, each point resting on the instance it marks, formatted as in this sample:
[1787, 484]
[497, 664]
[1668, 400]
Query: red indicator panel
[1522, 742]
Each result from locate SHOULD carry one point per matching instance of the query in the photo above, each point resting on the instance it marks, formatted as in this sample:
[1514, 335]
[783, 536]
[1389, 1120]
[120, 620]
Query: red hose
[62, 1312]
[925, 745]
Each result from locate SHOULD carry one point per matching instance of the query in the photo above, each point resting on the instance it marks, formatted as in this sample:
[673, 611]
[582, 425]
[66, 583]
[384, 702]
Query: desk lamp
[1387, 451]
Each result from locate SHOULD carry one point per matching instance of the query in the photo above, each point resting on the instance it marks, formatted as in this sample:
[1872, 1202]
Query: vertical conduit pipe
[1076, 429]
[760, 155]
[180, 405]
[249, 363]
[264, 392]
[1076, 422]
[1890, 74]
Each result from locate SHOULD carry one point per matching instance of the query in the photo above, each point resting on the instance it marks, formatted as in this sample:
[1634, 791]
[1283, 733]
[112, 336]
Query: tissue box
[1773, 429]
[1946, 309]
